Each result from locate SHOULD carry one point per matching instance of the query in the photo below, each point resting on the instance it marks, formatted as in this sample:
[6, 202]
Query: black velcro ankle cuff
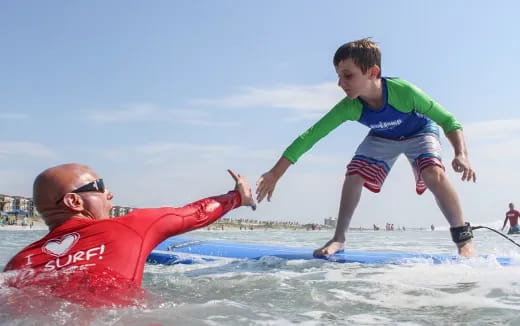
[461, 234]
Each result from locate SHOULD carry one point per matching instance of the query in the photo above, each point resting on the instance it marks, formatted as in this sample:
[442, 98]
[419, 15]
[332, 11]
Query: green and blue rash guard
[407, 112]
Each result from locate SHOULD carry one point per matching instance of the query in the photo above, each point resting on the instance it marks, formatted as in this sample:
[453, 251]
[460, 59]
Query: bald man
[91, 259]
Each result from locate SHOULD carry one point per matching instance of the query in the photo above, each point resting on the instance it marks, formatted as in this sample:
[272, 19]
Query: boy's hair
[365, 54]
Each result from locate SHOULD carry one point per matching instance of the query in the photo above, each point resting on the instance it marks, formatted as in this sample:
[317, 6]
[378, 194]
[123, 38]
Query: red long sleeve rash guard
[98, 253]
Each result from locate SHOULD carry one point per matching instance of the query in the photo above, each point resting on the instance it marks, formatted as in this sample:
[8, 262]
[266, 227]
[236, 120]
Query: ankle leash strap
[461, 234]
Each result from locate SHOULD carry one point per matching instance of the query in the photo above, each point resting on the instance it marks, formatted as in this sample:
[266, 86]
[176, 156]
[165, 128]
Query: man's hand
[244, 190]
[265, 186]
[461, 164]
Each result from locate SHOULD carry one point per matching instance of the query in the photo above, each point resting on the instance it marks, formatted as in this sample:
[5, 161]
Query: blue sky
[161, 97]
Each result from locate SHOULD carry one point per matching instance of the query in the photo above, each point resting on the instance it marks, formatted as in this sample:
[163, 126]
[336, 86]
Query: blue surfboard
[181, 250]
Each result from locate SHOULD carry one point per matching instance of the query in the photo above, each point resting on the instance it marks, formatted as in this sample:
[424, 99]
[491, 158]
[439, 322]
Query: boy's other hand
[265, 186]
[461, 164]
[243, 188]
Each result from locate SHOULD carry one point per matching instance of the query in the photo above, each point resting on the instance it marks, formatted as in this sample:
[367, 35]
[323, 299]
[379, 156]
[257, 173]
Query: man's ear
[74, 202]
[374, 71]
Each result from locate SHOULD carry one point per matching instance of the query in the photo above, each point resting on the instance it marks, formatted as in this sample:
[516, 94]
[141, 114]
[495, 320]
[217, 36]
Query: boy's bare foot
[467, 250]
[330, 248]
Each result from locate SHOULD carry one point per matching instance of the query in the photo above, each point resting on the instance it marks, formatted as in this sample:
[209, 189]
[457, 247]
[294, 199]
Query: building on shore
[17, 205]
[117, 211]
[331, 222]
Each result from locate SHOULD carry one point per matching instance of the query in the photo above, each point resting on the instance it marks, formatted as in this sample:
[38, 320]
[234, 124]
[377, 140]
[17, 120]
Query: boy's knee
[433, 174]
[354, 179]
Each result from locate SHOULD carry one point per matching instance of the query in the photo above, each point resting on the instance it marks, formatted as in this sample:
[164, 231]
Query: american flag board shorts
[375, 156]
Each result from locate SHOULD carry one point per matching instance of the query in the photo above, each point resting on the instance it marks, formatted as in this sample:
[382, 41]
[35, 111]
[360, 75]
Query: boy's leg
[445, 195]
[424, 153]
[448, 200]
[369, 167]
[350, 196]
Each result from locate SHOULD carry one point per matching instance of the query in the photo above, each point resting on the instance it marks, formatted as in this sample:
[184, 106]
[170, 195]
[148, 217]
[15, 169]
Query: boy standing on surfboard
[402, 120]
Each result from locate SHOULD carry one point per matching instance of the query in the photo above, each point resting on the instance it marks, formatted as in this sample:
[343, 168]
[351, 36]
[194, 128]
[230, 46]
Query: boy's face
[351, 79]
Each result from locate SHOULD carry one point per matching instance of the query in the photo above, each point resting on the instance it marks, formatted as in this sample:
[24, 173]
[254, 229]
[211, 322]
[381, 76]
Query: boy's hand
[244, 190]
[265, 186]
[461, 165]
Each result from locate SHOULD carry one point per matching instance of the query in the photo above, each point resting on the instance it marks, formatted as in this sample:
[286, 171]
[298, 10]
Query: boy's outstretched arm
[461, 163]
[267, 182]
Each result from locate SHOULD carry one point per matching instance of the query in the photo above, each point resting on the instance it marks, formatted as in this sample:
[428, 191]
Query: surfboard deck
[181, 250]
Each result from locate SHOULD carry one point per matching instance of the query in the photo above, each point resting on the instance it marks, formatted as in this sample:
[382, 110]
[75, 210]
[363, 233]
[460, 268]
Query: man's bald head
[50, 185]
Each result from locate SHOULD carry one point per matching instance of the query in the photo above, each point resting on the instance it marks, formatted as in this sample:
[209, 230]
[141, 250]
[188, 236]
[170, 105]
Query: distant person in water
[402, 120]
[512, 216]
[432, 227]
[91, 259]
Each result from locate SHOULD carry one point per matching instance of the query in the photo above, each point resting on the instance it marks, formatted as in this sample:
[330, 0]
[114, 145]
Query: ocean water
[274, 291]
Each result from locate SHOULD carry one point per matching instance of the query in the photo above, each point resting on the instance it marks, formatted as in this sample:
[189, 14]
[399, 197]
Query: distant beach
[38, 224]
[226, 225]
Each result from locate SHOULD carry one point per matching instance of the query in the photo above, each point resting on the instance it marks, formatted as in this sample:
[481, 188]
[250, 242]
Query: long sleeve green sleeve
[345, 110]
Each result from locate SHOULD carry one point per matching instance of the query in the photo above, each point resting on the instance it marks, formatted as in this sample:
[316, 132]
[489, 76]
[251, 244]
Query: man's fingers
[235, 177]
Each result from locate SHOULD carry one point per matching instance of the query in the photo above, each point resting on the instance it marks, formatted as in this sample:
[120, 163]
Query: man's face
[511, 206]
[98, 204]
[351, 79]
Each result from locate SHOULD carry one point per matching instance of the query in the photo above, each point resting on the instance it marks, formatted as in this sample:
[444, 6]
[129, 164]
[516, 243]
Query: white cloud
[149, 112]
[22, 148]
[169, 152]
[319, 97]
[136, 112]
[161, 148]
[162, 152]
[304, 116]
[16, 182]
[199, 118]
[13, 116]
[493, 130]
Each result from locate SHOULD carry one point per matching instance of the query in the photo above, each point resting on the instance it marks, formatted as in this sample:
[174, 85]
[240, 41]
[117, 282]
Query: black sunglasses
[96, 185]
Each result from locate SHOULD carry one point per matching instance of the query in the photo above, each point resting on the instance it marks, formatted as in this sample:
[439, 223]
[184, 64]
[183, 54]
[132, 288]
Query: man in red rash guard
[90, 259]
[512, 215]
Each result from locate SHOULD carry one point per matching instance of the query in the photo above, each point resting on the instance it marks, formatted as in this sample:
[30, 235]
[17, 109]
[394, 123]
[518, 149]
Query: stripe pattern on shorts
[373, 171]
[419, 165]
